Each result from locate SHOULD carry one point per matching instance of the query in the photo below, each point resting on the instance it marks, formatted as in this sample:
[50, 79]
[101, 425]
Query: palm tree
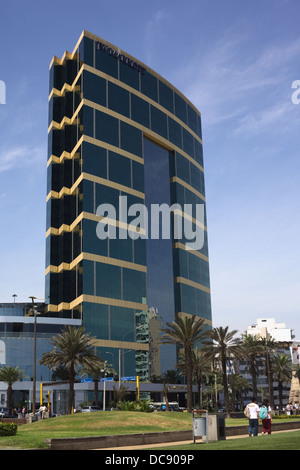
[268, 348]
[72, 347]
[119, 394]
[186, 332]
[201, 369]
[252, 350]
[237, 384]
[10, 375]
[95, 371]
[224, 347]
[282, 370]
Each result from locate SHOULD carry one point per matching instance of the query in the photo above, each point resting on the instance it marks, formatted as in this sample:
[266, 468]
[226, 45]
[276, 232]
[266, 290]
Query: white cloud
[225, 83]
[21, 156]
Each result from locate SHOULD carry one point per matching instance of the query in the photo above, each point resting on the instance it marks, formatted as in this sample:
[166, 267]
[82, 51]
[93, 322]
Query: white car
[88, 409]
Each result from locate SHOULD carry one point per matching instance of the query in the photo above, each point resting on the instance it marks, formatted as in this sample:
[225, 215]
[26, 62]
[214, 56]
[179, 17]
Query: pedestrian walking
[265, 414]
[253, 417]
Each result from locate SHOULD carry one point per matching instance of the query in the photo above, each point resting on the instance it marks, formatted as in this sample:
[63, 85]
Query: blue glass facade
[117, 129]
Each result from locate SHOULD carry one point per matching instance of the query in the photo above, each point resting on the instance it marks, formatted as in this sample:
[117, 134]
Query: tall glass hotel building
[117, 128]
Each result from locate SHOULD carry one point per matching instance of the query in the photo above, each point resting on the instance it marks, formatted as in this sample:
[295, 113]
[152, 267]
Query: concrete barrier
[102, 442]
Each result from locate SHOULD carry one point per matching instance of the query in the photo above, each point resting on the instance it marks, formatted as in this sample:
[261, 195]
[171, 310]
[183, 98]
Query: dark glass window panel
[188, 142]
[180, 108]
[188, 298]
[139, 110]
[94, 88]
[122, 324]
[182, 168]
[69, 208]
[94, 160]
[108, 281]
[199, 127]
[138, 176]
[121, 248]
[134, 285]
[50, 110]
[88, 196]
[192, 119]
[131, 139]
[118, 99]
[119, 169]
[88, 121]
[129, 75]
[106, 63]
[149, 85]
[196, 180]
[95, 319]
[70, 137]
[139, 248]
[91, 242]
[88, 277]
[86, 51]
[107, 128]
[198, 152]
[159, 122]
[175, 135]
[166, 96]
[107, 195]
[51, 77]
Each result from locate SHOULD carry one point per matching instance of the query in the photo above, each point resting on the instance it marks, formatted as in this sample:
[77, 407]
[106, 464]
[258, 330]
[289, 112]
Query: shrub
[8, 429]
[142, 405]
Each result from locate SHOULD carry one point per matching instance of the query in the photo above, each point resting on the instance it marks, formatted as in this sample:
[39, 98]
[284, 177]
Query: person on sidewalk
[253, 418]
[266, 422]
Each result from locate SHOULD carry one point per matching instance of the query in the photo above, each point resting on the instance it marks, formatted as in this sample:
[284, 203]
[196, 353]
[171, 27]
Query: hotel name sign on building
[100, 46]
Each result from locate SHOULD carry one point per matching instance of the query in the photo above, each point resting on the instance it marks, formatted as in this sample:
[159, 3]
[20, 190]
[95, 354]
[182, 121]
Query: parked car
[88, 409]
[4, 412]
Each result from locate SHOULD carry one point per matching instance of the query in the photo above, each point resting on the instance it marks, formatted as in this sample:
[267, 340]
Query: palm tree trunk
[9, 396]
[96, 381]
[71, 388]
[225, 385]
[189, 379]
[254, 379]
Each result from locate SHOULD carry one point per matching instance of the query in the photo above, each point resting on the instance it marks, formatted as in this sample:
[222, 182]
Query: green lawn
[126, 422]
[95, 424]
[281, 441]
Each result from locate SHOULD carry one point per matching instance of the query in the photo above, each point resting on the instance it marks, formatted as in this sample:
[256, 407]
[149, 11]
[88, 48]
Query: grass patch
[281, 441]
[95, 424]
[115, 422]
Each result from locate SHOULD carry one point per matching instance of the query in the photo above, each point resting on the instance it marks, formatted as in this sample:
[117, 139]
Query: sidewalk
[178, 443]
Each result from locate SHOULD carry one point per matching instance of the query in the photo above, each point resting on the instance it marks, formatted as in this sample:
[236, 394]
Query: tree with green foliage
[282, 372]
[252, 351]
[10, 375]
[71, 348]
[224, 348]
[268, 349]
[186, 332]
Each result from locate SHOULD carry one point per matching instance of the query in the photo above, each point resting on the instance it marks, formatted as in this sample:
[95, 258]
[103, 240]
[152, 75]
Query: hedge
[8, 429]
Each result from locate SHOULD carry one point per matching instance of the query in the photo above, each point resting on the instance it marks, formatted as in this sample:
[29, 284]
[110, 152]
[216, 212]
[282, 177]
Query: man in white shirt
[253, 418]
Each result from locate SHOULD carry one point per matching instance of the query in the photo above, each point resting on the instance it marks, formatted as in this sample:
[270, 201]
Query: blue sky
[236, 61]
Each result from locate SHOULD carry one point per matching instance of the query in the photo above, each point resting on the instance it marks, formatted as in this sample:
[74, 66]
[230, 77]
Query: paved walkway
[178, 443]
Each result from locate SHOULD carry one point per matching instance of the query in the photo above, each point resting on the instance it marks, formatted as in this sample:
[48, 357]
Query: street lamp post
[35, 313]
